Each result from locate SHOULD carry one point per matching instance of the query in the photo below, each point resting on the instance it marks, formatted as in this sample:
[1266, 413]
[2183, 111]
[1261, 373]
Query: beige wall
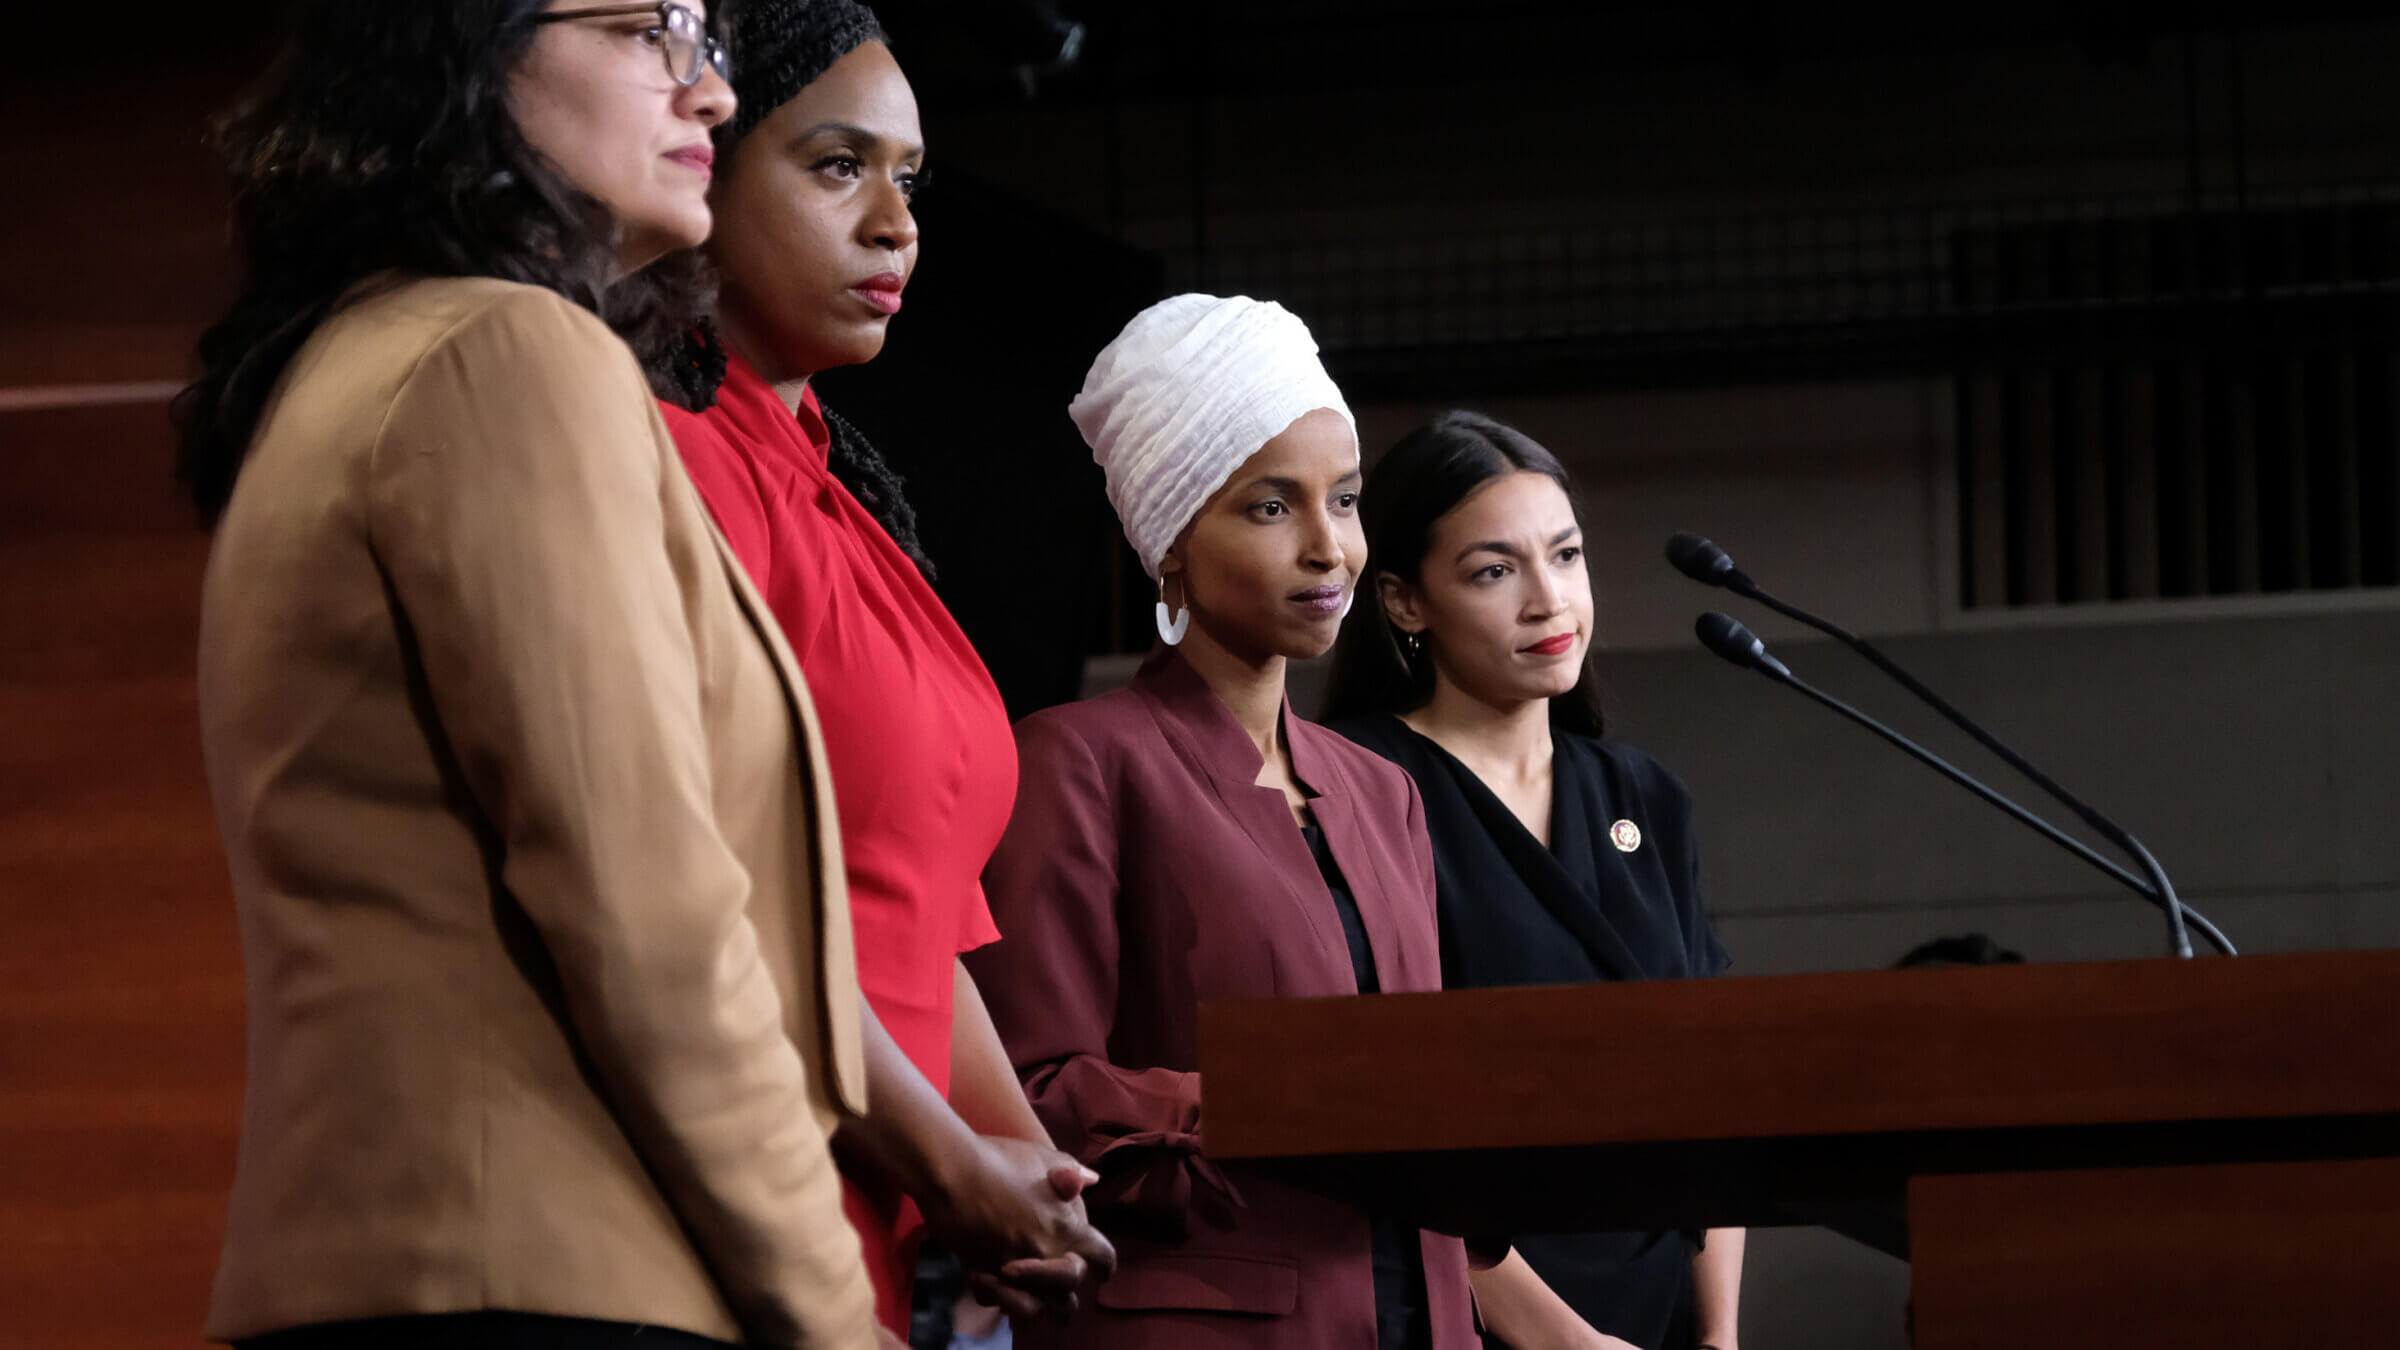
[2254, 745]
[1831, 491]
[2251, 742]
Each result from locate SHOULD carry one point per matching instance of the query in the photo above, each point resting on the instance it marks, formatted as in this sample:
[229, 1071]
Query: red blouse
[924, 766]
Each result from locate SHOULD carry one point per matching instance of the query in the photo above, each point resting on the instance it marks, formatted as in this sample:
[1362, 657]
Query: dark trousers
[481, 1331]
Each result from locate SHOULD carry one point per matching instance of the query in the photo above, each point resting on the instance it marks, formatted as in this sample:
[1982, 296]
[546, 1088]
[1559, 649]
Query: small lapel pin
[1626, 835]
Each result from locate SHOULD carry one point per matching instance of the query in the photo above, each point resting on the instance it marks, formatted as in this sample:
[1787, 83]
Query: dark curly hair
[1416, 483]
[380, 142]
[663, 312]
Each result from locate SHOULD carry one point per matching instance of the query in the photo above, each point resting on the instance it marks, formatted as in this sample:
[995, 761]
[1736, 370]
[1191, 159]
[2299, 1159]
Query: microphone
[1705, 562]
[1732, 639]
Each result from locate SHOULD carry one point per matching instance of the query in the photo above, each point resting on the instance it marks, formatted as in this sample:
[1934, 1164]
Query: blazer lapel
[1399, 966]
[1539, 869]
[1406, 947]
[824, 836]
[1595, 788]
[1200, 724]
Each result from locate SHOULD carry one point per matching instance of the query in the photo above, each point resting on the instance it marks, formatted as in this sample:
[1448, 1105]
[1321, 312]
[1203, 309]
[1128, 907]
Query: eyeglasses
[682, 39]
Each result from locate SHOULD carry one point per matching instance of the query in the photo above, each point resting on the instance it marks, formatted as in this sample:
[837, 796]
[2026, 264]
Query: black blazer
[1584, 908]
[1615, 896]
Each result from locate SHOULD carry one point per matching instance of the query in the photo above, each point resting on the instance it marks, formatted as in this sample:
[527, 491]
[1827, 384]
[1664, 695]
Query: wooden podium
[2145, 1153]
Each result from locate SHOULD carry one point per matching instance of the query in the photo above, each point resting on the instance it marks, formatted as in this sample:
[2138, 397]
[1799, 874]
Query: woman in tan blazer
[551, 1002]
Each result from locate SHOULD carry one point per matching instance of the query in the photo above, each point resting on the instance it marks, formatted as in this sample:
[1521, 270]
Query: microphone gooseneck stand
[1712, 565]
[1730, 638]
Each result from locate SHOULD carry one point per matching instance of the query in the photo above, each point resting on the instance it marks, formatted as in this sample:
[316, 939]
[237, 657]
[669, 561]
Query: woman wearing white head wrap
[1187, 839]
[1192, 388]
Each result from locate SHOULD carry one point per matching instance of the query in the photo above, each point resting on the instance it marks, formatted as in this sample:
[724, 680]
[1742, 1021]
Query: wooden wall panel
[114, 250]
[2192, 1257]
[120, 976]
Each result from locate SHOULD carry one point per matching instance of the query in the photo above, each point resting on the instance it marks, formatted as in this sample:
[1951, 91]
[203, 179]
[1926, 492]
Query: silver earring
[1171, 632]
[1414, 642]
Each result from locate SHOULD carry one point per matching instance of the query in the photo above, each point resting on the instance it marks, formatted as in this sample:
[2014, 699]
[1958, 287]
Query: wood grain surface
[120, 978]
[2191, 1257]
[2003, 1047]
[1801, 1099]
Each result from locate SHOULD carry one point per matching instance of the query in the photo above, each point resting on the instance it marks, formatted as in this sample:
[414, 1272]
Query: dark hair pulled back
[1417, 482]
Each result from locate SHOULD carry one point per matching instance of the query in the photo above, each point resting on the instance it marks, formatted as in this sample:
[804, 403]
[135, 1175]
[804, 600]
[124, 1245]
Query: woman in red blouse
[814, 243]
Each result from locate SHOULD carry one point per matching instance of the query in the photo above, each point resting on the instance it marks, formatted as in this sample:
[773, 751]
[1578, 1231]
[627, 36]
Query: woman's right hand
[1012, 1212]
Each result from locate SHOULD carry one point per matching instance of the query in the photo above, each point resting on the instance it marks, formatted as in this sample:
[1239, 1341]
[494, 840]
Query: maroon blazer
[1143, 873]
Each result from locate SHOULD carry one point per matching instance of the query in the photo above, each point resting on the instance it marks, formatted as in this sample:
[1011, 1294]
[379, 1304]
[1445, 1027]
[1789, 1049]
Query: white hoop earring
[1171, 632]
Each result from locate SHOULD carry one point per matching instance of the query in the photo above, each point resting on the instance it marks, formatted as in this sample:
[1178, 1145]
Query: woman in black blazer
[1559, 856]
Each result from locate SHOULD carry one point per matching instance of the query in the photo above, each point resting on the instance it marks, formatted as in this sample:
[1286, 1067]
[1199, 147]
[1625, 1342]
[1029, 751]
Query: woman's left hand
[1013, 1213]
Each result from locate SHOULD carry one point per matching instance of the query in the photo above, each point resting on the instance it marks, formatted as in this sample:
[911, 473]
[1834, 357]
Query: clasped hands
[1013, 1214]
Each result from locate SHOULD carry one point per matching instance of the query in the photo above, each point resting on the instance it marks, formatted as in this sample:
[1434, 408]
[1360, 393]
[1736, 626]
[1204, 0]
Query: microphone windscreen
[1728, 637]
[1698, 558]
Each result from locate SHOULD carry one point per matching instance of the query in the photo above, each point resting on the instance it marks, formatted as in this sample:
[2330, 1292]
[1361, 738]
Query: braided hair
[780, 47]
[870, 478]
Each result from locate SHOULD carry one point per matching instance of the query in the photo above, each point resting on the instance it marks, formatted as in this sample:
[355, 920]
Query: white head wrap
[1192, 388]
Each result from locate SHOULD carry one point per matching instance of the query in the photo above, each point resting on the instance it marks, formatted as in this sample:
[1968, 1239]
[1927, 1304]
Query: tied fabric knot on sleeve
[1161, 1174]
[1146, 873]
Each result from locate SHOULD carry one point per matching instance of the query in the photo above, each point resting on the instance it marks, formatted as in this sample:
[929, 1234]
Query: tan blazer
[551, 995]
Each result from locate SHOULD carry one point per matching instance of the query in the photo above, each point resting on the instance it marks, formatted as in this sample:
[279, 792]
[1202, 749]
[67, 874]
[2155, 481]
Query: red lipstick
[881, 292]
[1552, 646]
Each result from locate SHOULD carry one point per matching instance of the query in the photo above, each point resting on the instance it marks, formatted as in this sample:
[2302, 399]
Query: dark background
[1736, 194]
[2053, 342]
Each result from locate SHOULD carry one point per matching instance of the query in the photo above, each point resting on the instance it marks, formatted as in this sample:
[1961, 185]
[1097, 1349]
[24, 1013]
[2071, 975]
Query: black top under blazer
[1146, 872]
[1514, 912]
